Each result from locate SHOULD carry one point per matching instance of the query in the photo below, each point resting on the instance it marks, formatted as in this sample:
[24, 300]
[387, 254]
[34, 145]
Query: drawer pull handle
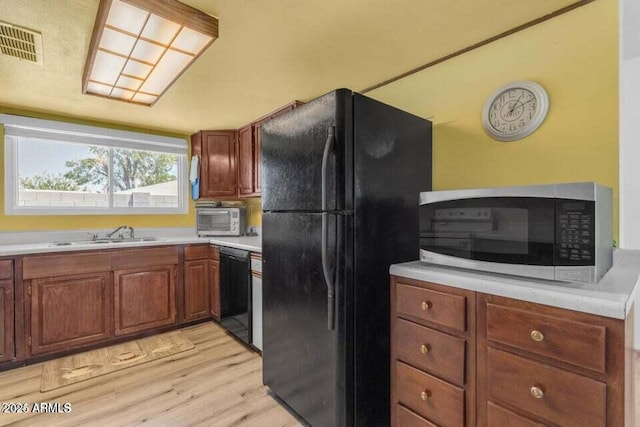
[425, 395]
[537, 392]
[426, 305]
[425, 348]
[537, 336]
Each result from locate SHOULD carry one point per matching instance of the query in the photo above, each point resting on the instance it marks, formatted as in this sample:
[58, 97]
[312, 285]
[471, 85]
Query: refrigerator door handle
[326, 271]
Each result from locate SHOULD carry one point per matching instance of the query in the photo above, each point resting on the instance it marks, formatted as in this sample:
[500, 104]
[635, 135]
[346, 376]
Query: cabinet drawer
[6, 269]
[577, 343]
[498, 416]
[48, 266]
[406, 418]
[196, 252]
[433, 306]
[567, 399]
[256, 262]
[430, 397]
[139, 258]
[438, 353]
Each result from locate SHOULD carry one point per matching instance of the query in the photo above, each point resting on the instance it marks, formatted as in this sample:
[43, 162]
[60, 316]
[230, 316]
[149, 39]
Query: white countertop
[612, 296]
[249, 243]
[253, 244]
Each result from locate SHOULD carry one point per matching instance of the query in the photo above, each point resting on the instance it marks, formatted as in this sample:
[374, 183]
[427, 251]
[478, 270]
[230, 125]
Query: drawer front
[256, 264]
[406, 418]
[498, 416]
[196, 252]
[432, 351]
[566, 398]
[214, 253]
[577, 343]
[140, 258]
[44, 266]
[6, 269]
[430, 397]
[433, 306]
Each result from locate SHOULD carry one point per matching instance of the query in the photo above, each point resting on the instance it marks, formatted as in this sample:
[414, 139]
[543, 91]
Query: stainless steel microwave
[557, 232]
[221, 221]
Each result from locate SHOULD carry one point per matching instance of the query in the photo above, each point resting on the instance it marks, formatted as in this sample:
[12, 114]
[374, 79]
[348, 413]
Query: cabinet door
[218, 170]
[245, 162]
[71, 311]
[196, 290]
[214, 271]
[7, 349]
[257, 160]
[144, 299]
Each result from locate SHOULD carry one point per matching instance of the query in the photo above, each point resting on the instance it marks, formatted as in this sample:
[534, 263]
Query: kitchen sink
[108, 241]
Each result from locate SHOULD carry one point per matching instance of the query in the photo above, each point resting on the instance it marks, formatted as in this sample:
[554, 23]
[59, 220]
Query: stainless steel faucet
[122, 227]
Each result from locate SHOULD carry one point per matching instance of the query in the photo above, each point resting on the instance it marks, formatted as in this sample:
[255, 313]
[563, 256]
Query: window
[56, 168]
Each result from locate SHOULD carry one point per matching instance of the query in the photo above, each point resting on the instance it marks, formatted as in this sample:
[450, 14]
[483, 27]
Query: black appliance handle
[325, 231]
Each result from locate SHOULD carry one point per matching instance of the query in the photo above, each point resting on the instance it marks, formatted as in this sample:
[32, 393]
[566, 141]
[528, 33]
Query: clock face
[515, 110]
[512, 110]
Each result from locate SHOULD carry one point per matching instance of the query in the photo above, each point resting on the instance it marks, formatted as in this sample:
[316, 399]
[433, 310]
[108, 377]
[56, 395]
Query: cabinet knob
[425, 348]
[537, 336]
[425, 395]
[537, 392]
[426, 305]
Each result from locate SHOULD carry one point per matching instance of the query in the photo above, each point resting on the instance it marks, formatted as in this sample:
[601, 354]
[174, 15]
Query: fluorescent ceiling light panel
[140, 47]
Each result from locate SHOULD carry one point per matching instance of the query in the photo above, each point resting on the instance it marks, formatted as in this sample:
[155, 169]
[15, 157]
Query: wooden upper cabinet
[7, 348]
[218, 153]
[70, 311]
[231, 161]
[246, 168]
[257, 159]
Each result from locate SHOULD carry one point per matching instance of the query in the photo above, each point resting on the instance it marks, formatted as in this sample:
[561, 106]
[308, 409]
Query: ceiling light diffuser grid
[140, 47]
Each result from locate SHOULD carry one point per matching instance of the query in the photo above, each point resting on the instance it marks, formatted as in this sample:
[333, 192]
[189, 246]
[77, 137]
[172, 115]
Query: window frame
[18, 126]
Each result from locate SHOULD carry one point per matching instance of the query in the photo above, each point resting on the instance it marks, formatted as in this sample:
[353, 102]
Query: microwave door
[216, 222]
[510, 230]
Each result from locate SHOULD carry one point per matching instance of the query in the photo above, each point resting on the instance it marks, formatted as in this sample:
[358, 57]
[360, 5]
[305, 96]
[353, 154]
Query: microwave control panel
[575, 232]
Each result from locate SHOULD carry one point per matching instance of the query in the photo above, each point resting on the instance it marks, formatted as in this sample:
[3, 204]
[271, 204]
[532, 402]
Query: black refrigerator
[341, 181]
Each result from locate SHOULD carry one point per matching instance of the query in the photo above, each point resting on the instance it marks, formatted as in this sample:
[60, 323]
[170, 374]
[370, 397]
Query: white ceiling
[268, 53]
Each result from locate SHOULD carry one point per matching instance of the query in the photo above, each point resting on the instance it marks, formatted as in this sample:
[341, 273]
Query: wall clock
[515, 110]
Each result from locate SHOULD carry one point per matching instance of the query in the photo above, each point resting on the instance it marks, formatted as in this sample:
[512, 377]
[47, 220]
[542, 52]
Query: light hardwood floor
[218, 384]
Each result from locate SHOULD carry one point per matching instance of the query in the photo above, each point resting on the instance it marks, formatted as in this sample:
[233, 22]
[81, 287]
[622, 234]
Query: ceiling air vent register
[20, 43]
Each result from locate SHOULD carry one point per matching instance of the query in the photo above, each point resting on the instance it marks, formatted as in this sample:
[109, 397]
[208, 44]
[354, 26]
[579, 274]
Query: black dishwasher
[235, 292]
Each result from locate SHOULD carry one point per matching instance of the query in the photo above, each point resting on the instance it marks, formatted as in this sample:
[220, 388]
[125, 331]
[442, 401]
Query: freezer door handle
[326, 271]
[331, 137]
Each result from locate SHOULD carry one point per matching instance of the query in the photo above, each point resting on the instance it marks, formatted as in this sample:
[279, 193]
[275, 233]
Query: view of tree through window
[62, 174]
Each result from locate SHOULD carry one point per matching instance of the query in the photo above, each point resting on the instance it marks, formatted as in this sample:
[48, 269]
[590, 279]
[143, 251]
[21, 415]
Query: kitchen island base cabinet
[144, 299]
[69, 311]
[520, 364]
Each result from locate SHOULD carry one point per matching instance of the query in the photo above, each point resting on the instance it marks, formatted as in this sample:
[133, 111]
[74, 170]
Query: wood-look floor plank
[217, 384]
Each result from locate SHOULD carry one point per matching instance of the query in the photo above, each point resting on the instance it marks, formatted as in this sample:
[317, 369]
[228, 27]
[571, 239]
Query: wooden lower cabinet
[145, 299]
[196, 290]
[433, 377]
[463, 358]
[7, 321]
[70, 311]
[541, 365]
[214, 274]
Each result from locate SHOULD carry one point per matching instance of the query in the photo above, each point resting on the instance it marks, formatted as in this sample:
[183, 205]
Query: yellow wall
[254, 215]
[51, 222]
[575, 57]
